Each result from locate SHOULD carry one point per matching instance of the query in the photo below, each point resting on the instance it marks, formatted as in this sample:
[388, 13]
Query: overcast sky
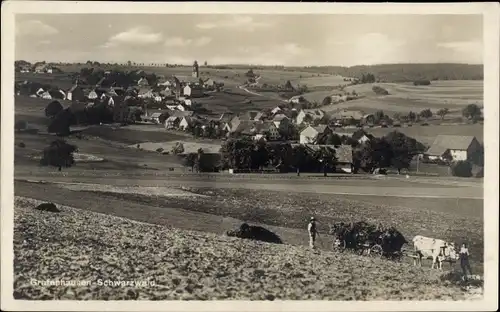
[251, 39]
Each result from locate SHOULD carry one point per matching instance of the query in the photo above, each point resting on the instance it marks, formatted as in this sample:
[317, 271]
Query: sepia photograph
[152, 155]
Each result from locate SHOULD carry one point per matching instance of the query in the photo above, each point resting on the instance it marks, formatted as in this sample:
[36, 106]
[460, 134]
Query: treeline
[124, 79]
[395, 150]
[405, 72]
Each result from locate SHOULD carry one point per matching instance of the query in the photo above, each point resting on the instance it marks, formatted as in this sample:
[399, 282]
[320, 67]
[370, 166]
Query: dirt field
[169, 264]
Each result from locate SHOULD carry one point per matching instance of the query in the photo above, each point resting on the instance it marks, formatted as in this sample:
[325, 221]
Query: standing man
[464, 260]
[311, 228]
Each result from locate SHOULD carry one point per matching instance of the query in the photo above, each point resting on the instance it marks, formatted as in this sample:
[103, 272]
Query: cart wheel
[376, 251]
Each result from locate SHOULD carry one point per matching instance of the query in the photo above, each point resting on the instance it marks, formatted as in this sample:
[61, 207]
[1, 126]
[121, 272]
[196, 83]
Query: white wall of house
[47, 96]
[92, 95]
[458, 154]
[183, 124]
[308, 135]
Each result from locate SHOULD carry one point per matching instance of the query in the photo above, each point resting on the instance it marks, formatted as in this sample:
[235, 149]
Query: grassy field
[175, 264]
[403, 97]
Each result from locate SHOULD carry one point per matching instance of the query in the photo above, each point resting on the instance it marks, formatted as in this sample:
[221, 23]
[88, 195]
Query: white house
[311, 134]
[92, 95]
[157, 98]
[46, 95]
[172, 122]
[459, 147]
[276, 110]
[40, 91]
[309, 115]
[187, 102]
[193, 91]
[145, 93]
[281, 121]
[266, 128]
[143, 82]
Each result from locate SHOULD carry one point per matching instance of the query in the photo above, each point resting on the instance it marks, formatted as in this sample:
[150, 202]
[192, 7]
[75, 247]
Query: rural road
[360, 187]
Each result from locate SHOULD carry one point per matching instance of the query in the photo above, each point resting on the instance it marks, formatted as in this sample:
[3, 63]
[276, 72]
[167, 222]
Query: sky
[264, 39]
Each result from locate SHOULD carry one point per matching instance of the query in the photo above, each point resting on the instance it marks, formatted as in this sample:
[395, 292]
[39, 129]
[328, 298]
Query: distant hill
[404, 72]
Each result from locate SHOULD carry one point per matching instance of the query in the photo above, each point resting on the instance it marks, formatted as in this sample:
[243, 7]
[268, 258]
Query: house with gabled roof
[145, 93]
[348, 116]
[76, 93]
[309, 116]
[193, 91]
[311, 134]
[458, 147]
[281, 121]
[143, 82]
[266, 130]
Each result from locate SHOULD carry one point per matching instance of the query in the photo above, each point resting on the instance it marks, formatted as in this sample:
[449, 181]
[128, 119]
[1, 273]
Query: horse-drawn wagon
[367, 239]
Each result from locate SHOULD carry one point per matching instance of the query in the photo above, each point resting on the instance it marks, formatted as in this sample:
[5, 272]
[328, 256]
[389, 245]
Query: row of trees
[394, 150]
[92, 76]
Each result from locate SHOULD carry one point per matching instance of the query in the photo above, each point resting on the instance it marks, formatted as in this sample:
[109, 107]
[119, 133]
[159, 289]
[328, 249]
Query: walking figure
[464, 260]
[311, 228]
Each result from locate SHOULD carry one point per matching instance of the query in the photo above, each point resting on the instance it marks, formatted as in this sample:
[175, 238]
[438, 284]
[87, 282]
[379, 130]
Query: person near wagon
[464, 260]
[313, 232]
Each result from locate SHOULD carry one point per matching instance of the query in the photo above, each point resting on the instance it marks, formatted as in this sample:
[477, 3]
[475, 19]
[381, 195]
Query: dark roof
[280, 117]
[181, 114]
[446, 142]
[321, 128]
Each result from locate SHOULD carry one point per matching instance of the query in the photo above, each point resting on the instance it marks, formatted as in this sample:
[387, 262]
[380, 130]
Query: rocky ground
[82, 246]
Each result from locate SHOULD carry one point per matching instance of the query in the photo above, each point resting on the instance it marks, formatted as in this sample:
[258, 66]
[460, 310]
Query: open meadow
[405, 97]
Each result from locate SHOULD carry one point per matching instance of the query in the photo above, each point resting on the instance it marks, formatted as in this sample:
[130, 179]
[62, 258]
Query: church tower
[196, 72]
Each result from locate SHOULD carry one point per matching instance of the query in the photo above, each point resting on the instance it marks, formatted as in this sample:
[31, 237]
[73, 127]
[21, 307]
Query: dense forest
[404, 72]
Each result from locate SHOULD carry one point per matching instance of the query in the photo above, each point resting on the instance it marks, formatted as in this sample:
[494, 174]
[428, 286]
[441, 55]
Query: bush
[53, 109]
[61, 123]
[422, 83]
[22, 145]
[379, 90]
[462, 169]
[159, 150]
[58, 154]
[20, 125]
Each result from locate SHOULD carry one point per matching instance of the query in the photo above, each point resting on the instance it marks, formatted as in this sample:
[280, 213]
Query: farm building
[156, 117]
[143, 82]
[188, 121]
[458, 147]
[343, 153]
[276, 110]
[193, 91]
[266, 129]
[41, 68]
[311, 135]
[92, 95]
[252, 115]
[172, 122]
[309, 116]
[116, 99]
[145, 93]
[360, 136]
[281, 121]
[348, 116]
[46, 95]
[76, 93]
[39, 92]
[209, 83]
